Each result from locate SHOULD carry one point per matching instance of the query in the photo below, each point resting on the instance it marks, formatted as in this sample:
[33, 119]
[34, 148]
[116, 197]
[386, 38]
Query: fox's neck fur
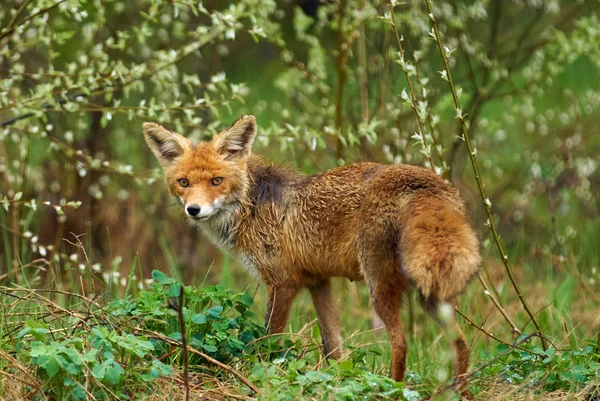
[266, 186]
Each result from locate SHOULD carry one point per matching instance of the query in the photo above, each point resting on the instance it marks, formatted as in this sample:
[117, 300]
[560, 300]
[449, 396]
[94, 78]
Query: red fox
[395, 226]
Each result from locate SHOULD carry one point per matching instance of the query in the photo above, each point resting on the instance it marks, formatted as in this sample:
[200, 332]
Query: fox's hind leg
[386, 296]
[444, 314]
[329, 319]
[278, 308]
[386, 286]
[380, 267]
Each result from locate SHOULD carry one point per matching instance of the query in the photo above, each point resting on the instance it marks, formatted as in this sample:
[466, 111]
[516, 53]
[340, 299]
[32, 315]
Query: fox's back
[313, 224]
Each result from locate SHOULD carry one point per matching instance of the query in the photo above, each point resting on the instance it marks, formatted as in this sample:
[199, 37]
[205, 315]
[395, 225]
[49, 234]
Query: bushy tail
[440, 251]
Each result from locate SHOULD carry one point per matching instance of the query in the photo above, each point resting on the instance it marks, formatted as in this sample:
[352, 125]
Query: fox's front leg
[278, 308]
[329, 319]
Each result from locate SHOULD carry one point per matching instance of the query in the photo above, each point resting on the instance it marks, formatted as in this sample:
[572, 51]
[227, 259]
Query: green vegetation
[99, 271]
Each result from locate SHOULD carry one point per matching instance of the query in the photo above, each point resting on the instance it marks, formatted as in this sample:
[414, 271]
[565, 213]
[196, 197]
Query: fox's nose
[193, 210]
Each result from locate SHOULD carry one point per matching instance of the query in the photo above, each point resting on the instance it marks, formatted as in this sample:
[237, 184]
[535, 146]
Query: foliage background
[84, 205]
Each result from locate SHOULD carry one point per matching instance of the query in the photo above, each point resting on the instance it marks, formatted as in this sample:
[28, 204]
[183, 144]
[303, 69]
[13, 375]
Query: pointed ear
[166, 145]
[236, 141]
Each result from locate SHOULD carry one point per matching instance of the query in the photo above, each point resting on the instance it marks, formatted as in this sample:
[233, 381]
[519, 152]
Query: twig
[232, 371]
[179, 307]
[7, 290]
[413, 97]
[513, 327]
[11, 27]
[191, 49]
[363, 84]
[342, 60]
[493, 337]
[32, 263]
[487, 204]
[48, 302]
[31, 380]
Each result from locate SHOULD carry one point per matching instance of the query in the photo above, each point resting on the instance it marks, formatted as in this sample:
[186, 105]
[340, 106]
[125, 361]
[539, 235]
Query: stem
[482, 329]
[363, 85]
[12, 25]
[184, 346]
[413, 97]
[486, 202]
[362, 76]
[342, 60]
[170, 341]
[513, 327]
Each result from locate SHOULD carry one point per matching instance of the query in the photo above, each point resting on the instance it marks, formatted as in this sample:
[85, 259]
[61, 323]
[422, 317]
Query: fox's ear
[166, 145]
[236, 141]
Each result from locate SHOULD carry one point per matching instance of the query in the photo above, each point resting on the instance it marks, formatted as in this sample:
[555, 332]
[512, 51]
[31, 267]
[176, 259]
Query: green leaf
[152, 374]
[246, 299]
[199, 318]
[209, 348]
[73, 356]
[174, 290]
[136, 345]
[215, 311]
[296, 364]
[37, 349]
[411, 395]
[113, 373]
[346, 365]
[550, 353]
[163, 368]
[78, 391]
[50, 364]
[23, 332]
[161, 278]
[91, 355]
[99, 371]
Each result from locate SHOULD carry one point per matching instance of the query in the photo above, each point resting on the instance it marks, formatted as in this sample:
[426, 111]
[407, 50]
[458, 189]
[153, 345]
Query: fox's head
[209, 176]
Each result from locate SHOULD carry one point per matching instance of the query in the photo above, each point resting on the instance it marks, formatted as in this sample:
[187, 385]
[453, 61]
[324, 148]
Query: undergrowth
[576, 370]
[121, 349]
[66, 346]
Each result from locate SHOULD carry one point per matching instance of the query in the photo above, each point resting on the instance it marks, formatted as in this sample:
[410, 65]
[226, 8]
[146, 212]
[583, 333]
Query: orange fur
[395, 226]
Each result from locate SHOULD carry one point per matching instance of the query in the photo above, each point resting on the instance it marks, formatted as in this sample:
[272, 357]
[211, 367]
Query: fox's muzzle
[198, 212]
[193, 210]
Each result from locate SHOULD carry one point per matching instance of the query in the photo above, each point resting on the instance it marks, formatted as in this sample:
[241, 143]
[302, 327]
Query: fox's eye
[217, 181]
[183, 182]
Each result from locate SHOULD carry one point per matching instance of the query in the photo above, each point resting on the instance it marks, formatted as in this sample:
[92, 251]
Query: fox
[397, 227]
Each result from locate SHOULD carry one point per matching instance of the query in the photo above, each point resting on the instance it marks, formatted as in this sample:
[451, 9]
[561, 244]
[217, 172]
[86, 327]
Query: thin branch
[232, 371]
[363, 83]
[487, 204]
[413, 97]
[179, 308]
[493, 337]
[342, 60]
[513, 327]
[11, 27]
[191, 49]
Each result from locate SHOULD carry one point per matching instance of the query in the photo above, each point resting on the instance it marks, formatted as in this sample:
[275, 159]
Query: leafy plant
[91, 362]
[219, 321]
[293, 380]
[119, 349]
[548, 370]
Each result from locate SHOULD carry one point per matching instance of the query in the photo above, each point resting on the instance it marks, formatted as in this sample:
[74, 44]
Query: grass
[63, 342]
